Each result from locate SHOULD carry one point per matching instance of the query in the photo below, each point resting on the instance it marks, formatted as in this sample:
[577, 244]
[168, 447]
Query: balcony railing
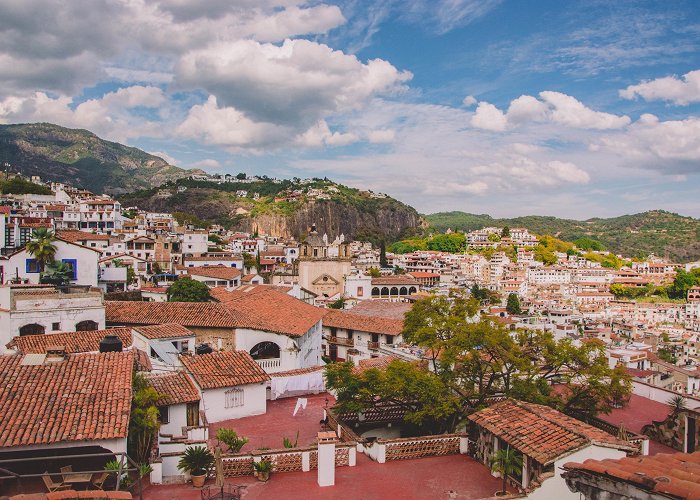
[373, 345]
[341, 341]
[267, 364]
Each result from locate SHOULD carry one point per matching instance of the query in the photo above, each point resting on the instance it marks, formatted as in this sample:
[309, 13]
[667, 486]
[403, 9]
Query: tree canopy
[513, 304]
[188, 290]
[473, 359]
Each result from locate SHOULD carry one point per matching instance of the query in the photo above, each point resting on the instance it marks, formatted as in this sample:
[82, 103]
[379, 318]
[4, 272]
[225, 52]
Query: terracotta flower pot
[198, 481]
[263, 476]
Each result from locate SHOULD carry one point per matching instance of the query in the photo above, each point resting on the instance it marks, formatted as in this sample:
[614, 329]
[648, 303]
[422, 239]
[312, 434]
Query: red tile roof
[84, 397]
[165, 331]
[217, 272]
[298, 371]
[224, 369]
[76, 236]
[189, 314]
[337, 318]
[674, 475]
[73, 341]
[270, 310]
[379, 363]
[395, 281]
[176, 388]
[382, 309]
[541, 432]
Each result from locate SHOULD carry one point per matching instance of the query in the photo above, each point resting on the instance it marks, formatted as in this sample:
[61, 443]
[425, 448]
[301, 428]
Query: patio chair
[51, 485]
[66, 471]
[99, 481]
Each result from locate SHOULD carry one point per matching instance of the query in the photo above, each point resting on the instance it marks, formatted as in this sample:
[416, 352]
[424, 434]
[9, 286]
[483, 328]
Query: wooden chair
[100, 480]
[51, 486]
[65, 471]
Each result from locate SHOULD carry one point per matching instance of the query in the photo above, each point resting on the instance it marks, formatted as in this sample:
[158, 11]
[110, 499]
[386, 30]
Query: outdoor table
[77, 478]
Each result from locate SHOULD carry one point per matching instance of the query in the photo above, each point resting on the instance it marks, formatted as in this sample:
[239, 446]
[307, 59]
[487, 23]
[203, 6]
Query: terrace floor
[268, 430]
[450, 477]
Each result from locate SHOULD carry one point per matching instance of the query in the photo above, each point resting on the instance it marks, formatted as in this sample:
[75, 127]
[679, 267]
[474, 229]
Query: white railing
[268, 364]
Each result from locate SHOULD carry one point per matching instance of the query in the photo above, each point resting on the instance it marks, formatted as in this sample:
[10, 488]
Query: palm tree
[57, 273]
[677, 404]
[507, 463]
[41, 247]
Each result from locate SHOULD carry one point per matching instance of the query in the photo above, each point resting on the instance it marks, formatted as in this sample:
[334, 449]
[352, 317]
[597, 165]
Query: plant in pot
[263, 468]
[507, 463]
[197, 460]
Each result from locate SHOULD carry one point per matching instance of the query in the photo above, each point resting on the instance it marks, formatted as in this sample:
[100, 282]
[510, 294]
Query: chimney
[55, 353]
[111, 343]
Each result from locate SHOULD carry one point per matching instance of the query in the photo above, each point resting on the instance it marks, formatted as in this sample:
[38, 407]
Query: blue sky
[574, 109]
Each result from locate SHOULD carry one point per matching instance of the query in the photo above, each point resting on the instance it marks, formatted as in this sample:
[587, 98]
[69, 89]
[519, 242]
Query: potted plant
[263, 469]
[197, 460]
[506, 463]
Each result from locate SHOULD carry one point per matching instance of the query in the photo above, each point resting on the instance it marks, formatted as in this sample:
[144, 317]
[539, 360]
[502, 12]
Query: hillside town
[141, 355]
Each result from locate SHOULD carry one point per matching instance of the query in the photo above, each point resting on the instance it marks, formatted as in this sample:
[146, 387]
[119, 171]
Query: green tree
[683, 282]
[249, 261]
[382, 255]
[507, 462]
[513, 304]
[188, 290]
[505, 232]
[57, 273]
[41, 247]
[143, 420]
[452, 243]
[231, 439]
[240, 176]
[338, 304]
[374, 272]
[493, 237]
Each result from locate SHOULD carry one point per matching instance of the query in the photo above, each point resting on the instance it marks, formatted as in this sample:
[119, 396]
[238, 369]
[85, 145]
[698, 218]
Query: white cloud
[489, 117]
[295, 21]
[527, 108]
[208, 163]
[110, 116]
[320, 135]
[667, 146]
[162, 154]
[297, 83]
[384, 136]
[469, 101]
[571, 112]
[680, 91]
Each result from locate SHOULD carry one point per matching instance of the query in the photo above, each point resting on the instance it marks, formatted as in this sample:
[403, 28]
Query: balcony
[373, 345]
[269, 364]
[341, 341]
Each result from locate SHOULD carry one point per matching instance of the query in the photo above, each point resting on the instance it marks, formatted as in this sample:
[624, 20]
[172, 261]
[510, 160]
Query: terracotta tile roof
[382, 309]
[189, 314]
[541, 432]
[224, 369]
[176, 388]
[379, 363]
[337, 318]
[298, 371]
[207, 258]
[217, 272]
[76, 236]
[423, 274]
[673, 475]
[143, 361]
[263, 308]
[165, 331]
[72, 341]
[84, 397]
[395, 281]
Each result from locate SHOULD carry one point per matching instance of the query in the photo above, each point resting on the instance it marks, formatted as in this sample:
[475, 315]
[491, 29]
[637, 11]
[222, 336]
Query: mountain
[662, 233]
[283, 208]
[82, 159]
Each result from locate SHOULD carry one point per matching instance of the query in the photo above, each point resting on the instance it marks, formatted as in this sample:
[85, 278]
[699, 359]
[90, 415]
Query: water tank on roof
[111, 343]
[203, 349]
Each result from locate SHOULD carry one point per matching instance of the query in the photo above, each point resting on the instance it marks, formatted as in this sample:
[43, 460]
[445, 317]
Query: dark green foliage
[513, 304]
[589, 244]
[231, 439]
[143, 421]
[453, 243]
[197, 460]
[18, 185]
[188, 290]
[483, 294]
[338, 304]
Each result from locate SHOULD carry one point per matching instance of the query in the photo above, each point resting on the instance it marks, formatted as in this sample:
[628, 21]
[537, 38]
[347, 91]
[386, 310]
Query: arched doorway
[32, 329]
[265, 350]
[394, 290]
[375, 292]
[86, 326]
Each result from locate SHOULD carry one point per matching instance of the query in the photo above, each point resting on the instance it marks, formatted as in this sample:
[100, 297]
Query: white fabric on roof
[307, 383]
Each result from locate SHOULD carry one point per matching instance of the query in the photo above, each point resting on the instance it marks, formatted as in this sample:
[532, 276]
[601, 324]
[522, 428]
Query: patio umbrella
[218, 464]
[622, 433]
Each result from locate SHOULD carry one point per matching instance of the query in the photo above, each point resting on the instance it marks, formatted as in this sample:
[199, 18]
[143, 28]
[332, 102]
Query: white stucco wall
[86, 258]
[178, 420]
[254, 403]
[555, 487]
[308, 353]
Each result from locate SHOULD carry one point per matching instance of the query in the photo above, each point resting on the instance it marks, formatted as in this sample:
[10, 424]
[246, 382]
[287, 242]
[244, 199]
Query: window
[73, 265]
[86, 326]
[32, 266]
[31, 329]
[55, 326]
[234, 398]
[164, 414]
[360, 291]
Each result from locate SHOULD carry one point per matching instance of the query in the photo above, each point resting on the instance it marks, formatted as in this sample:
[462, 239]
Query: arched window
[403, 291]
[375, 291]
[265, 350]
[385, 291]
[394, 290]
[86, 326]
[32, 329]
[412, 290]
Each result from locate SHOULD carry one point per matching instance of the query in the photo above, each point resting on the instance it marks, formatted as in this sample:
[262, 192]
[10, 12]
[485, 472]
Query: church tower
[323, 266]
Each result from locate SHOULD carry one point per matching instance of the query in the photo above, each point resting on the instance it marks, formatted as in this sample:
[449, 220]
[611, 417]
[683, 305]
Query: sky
[573, 109]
